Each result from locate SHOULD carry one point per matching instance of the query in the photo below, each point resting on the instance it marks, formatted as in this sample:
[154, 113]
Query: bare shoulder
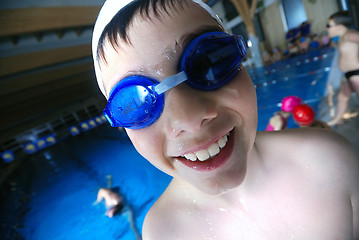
[319, 142]
[165, 219]
[153, 225]
[351, 36]
[323, 156]
[320, 151]
[324, 145]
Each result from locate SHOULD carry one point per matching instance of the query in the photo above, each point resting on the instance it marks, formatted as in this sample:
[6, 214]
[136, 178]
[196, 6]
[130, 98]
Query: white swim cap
[107, 12]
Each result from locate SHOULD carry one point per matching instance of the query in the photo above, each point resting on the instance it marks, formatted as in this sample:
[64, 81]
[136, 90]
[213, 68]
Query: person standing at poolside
[338, 27]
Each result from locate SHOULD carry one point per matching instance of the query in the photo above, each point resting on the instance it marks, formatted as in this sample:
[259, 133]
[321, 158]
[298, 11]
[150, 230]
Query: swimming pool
[304, 76]
[51, 194]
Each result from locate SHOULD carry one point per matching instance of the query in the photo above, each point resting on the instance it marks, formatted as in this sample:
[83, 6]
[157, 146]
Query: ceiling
[46, 68]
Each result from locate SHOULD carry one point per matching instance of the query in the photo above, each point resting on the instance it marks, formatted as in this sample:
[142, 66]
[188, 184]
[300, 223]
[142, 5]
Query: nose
[188, 110]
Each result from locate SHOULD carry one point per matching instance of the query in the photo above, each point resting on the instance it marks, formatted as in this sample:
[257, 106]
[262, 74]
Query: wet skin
[276, 185]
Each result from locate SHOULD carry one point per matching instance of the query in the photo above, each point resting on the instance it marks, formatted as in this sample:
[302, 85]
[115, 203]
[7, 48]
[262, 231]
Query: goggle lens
[214, 61]
[134, 103]
[207, 63]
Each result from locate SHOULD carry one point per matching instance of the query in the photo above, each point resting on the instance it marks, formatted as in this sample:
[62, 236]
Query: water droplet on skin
[210, 235]
[168, 54]
[292, 235]
[159, 72]
[180, 145]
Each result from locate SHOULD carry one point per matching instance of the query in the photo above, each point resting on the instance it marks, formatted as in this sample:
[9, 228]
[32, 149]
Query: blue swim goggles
[207, 63]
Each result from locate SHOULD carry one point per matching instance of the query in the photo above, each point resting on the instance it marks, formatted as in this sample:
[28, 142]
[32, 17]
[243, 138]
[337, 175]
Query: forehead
[170, 19]
[150, 39]
[174, 20]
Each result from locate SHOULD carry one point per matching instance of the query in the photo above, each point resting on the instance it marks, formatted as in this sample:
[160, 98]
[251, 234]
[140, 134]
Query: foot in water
[335, 122]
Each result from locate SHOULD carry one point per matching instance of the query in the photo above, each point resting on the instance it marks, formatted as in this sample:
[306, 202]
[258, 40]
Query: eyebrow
[187, 38]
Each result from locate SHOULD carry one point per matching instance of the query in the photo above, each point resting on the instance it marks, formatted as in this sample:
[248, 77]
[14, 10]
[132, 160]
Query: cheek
[330, 32]
[241, 96]
[143, 141]
[150, 144]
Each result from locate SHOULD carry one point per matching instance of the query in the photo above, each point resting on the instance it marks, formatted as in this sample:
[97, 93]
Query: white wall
[272, 24]
[319, 12]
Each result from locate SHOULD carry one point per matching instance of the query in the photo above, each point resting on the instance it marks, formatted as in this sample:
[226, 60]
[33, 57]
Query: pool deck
[350, 128]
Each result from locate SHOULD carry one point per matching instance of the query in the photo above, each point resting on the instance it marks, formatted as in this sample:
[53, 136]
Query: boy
[229, 182]
[116, 204]
[348, 47]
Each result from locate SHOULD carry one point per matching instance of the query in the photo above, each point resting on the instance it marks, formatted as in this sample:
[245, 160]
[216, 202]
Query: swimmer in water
[113, 201]
[193, 115]
[116, 204]
[338, 27]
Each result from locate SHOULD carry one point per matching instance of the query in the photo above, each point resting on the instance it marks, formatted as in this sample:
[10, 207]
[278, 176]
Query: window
[294, 13]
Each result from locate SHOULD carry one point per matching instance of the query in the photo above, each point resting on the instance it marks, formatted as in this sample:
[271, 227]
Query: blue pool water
[64, 181]
[304, 76]
[51, 194]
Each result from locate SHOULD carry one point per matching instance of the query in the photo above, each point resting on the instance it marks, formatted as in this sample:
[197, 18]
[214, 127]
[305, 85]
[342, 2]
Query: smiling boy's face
[193, 122]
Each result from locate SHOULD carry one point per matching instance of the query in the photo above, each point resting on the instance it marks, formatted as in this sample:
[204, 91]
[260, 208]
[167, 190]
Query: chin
[224, 183]
[229, 178]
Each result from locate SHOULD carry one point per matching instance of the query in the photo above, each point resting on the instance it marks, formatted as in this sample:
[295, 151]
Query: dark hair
[120, 23]
[342, 17]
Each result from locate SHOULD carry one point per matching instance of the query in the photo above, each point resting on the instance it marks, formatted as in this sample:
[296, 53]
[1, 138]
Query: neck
[252, 179]
[343, 31]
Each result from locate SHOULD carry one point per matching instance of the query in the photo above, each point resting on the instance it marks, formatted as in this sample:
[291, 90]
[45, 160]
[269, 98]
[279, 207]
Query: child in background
[338, 27]
[280, 118]
[325, 40]
[304, 44]
[315, 41]
[276, 55]
[173, 78]
[267, 58]
[116, 204]
[304, 116]
[293, 49]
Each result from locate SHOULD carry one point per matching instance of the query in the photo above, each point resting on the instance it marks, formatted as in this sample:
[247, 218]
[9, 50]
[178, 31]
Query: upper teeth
[211, 151]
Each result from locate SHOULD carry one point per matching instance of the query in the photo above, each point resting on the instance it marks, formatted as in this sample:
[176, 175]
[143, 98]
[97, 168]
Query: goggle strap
[170, 82]
[242, 44]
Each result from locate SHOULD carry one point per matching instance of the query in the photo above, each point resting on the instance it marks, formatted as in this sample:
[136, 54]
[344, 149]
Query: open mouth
[212, 157]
